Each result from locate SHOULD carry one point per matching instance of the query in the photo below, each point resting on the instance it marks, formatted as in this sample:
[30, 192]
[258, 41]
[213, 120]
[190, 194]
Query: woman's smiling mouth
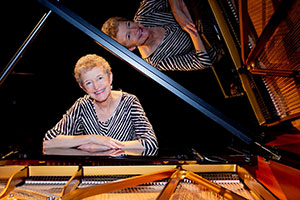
[140, 32]
[99, 91]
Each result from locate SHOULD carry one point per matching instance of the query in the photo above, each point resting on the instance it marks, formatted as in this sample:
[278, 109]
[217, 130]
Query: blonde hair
[111, 26]
[88, 62]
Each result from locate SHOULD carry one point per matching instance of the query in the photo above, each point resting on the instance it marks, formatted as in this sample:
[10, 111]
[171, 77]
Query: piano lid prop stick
[14, 60]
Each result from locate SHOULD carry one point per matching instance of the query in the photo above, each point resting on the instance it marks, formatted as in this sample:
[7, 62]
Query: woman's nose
[97, 85]
[134, 29]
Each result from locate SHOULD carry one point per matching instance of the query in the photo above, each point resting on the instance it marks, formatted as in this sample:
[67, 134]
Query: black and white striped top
[176, 51]
[128, 122]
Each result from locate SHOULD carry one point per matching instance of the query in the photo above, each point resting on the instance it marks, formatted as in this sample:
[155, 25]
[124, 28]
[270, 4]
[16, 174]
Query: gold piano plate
[192, 181]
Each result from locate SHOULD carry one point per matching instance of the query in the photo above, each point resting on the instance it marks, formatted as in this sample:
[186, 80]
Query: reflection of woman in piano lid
[104, 118]
[164, 42]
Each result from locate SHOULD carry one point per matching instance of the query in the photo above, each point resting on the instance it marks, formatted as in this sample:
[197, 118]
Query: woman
[104, 118]
[164, 42]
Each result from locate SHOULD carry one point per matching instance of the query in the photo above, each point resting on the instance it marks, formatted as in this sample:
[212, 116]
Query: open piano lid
[159, 77]
[136, 62]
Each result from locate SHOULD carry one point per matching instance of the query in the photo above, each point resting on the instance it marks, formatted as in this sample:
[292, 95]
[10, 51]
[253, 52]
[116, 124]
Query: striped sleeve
[70, 124]
[142, 126]
[176, 52]
[183, 62]
[154, 13]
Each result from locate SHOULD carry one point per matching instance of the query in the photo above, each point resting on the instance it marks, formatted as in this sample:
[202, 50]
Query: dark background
[42, 87]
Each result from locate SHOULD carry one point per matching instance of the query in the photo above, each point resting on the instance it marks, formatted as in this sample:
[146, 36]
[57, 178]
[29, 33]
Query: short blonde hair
[88, 62]
[111, 26]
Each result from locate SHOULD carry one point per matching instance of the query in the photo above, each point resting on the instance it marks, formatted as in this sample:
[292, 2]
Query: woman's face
[132, 34]
[97, 83]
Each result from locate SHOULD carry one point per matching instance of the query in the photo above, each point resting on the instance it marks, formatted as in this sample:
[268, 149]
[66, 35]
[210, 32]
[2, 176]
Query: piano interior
[141, 182]
[246, 147]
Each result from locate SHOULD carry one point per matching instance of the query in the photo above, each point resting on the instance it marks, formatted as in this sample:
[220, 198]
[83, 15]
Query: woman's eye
[128, 24]
[128, 36]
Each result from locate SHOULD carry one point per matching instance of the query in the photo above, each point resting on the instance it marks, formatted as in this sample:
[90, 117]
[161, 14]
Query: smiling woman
[104, 118]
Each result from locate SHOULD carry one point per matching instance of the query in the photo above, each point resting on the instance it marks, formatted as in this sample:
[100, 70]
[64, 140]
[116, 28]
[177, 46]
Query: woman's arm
[182, 16]
[185, 21]
[66, 141]
[142, 126]
[134, 144]
[185, 62]
[83, 142]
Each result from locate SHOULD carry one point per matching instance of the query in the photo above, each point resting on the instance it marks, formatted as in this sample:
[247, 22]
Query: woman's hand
[183, 17]
[96, 149]
[102, 143]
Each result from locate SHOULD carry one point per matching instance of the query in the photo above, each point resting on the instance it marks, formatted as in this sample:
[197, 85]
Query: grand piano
[213, 144]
